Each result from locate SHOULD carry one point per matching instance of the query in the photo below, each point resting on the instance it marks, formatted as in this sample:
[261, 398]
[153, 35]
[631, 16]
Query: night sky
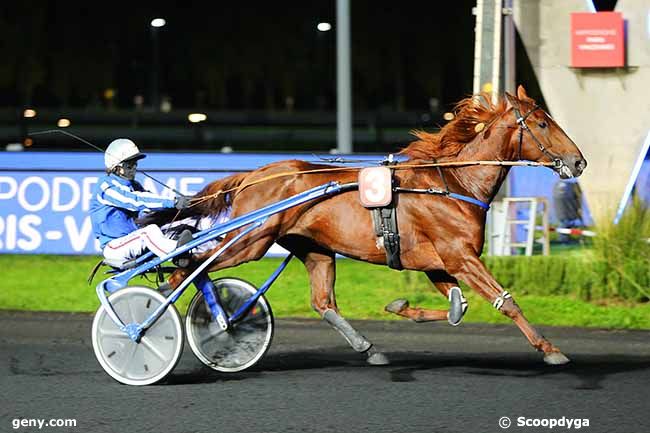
[234, 55]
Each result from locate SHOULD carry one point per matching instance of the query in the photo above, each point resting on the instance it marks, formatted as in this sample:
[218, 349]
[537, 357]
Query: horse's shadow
[589, 370]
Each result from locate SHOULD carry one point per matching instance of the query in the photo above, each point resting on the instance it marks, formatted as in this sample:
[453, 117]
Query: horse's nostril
[580, 165]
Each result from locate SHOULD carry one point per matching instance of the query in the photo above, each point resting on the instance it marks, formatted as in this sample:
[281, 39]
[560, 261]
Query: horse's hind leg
[448, 286]
[473, 272]
[321, 266]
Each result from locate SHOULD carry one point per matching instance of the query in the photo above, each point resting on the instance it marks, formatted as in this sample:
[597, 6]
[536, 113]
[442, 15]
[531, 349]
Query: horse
[439, 235]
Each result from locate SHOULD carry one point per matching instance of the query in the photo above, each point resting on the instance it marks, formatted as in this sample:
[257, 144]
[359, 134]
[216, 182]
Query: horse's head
[539, 138]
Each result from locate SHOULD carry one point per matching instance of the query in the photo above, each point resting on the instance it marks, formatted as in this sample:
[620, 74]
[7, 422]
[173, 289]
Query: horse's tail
[211, 200]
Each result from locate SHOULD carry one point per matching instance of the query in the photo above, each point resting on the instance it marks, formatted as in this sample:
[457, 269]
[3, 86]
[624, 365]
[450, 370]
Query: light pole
[155, 26]
[343, 78]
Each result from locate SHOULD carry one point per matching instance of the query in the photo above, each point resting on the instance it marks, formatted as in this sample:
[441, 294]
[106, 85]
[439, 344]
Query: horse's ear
[522, 95]
[512, 100]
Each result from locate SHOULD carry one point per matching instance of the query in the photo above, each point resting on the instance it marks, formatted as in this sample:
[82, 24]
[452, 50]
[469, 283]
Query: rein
[200, 200]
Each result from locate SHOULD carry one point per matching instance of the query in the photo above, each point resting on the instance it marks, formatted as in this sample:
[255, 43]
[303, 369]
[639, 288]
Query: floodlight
[196, 117]
[158, 22]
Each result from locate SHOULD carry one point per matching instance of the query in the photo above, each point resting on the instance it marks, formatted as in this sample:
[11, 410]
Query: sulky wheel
[159, 349]
[245, 341]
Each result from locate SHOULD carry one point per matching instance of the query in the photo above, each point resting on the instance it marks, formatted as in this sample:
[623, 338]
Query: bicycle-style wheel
[246, 340]
[159, 349]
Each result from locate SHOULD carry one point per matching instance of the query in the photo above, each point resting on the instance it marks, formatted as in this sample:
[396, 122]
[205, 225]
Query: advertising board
[597, 40]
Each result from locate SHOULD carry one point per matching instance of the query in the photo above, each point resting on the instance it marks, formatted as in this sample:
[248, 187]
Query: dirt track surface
[441, 379]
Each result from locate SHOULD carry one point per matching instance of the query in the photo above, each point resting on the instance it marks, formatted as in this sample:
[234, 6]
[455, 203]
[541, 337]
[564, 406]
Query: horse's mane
[449, 141]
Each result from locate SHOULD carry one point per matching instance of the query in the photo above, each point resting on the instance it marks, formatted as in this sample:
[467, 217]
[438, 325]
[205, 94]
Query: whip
[51, 131]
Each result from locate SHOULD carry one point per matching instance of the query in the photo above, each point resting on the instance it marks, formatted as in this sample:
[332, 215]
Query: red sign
[597, 40]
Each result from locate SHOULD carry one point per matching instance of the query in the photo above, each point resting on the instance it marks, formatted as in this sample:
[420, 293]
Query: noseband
[521, 120]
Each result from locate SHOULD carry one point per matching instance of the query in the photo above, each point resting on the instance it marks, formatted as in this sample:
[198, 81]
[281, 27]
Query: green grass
[623, 252]
[58, 283]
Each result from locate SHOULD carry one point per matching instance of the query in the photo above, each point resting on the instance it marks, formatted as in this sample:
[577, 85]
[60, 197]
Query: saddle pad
[375, 187]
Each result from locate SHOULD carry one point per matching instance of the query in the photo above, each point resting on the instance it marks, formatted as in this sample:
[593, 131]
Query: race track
[442, 379]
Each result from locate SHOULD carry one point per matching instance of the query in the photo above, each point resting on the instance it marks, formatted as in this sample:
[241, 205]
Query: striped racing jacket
[117, 202]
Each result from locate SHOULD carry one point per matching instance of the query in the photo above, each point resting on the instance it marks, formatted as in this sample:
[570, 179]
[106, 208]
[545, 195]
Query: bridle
[521, 120]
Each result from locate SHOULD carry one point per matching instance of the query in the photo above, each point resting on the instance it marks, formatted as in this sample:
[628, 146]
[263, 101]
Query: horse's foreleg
[448, 286]
[473, 272]
[322, 275]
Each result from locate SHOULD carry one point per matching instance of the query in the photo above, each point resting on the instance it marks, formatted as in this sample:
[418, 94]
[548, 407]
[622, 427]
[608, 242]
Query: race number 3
[375, 189]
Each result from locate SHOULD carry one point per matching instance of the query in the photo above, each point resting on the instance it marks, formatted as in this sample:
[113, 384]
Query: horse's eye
[543, 124]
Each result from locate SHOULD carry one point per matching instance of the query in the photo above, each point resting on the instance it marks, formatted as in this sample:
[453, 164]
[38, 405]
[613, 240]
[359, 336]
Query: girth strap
[385, 221]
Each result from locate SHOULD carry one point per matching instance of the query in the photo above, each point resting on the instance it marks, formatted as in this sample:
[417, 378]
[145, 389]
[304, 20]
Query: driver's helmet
[121, 150]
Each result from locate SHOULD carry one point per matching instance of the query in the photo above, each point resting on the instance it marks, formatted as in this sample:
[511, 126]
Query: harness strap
[435, 191]
[442, 176]
[460, 196]
[385, 221]
[470, 200]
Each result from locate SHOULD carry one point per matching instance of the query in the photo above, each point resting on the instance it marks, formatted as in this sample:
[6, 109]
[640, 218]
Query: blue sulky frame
[199, 276]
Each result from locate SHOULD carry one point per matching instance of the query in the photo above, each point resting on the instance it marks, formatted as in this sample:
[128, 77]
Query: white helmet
[121, 150]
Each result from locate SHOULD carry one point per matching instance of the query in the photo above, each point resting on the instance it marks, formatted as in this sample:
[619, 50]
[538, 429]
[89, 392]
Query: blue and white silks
[117, 202]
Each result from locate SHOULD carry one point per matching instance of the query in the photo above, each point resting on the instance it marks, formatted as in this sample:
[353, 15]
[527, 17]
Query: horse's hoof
[376, 358]
[397, 305]
[457, 306]
[555, 358]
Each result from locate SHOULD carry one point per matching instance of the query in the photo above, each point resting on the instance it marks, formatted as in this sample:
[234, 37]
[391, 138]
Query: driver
[117, 201]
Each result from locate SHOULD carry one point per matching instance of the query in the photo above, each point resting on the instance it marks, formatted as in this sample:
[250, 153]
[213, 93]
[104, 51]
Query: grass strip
[58, 283]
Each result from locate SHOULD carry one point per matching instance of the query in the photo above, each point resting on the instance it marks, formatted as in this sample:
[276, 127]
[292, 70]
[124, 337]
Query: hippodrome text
[48, 213]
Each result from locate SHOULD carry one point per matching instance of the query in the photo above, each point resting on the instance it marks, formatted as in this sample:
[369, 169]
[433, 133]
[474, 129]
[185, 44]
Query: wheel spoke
[128, 358]
[134, 319]
[114, 334]
[152, 348]
[210, 336]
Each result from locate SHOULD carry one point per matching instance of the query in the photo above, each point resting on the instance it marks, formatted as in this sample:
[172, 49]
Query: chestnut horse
[439, 235]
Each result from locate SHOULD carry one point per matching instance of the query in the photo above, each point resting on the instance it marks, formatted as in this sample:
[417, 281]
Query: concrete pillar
[487, 47]
[605, 111]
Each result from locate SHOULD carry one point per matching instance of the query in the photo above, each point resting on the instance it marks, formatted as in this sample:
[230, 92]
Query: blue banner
[45, 196]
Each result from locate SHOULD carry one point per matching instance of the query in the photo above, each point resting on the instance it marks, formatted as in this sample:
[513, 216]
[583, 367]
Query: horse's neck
[483, 181]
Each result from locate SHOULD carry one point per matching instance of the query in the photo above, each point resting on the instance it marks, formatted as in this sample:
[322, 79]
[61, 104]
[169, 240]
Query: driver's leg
[156, 241]
[132, 245]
